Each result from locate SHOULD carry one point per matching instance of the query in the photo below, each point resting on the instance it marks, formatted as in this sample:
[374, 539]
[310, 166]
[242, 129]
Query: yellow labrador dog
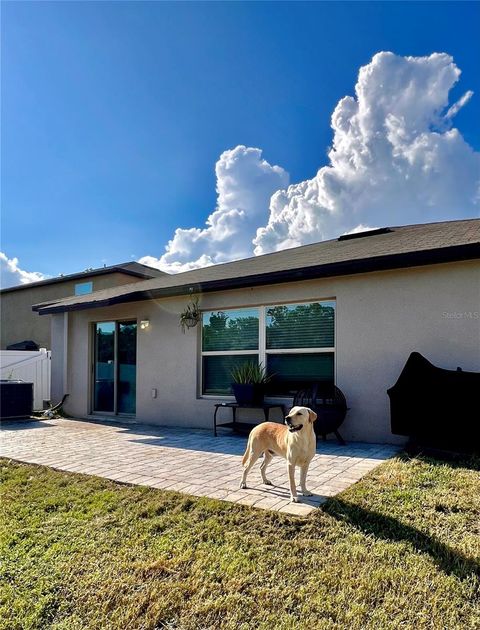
[296, 442]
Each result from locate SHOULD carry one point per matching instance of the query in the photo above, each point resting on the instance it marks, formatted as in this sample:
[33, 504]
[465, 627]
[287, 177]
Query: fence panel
[29, 366]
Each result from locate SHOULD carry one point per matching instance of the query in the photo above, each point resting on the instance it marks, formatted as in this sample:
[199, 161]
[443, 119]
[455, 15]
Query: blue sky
[115, 114]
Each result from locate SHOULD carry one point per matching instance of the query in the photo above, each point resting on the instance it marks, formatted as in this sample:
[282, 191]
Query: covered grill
[436, 407]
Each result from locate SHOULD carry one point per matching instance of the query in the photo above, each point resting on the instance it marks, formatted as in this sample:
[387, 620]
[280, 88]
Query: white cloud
[245, 183]
[395, 159]
[456, 107]
[12, 275]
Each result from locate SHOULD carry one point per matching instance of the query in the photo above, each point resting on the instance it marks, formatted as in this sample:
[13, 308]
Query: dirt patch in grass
[400, 549]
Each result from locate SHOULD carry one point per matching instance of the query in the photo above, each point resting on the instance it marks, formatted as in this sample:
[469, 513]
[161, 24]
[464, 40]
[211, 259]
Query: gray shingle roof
[131, 268]
[403, 246]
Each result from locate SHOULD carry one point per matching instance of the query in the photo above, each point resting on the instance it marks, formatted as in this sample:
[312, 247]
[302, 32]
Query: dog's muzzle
[292, 427]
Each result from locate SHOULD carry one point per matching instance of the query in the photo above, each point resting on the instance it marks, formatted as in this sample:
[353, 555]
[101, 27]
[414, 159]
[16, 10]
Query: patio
[185, 460]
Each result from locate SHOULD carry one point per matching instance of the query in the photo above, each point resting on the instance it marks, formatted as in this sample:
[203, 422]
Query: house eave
[454, 253]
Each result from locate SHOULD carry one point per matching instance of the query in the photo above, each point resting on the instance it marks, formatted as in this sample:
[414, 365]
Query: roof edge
[85, 274]
[454, 253]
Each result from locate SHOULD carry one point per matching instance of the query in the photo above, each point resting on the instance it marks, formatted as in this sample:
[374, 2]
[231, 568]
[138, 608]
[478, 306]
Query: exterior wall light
[145, 323]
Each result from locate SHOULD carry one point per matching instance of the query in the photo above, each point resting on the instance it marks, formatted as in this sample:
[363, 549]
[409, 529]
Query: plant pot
[248, 393]
[191, 321]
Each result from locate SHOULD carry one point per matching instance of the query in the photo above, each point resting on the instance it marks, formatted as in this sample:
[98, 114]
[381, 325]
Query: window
[300, 341]
[296, 342]
[229, 338]
[83, 288]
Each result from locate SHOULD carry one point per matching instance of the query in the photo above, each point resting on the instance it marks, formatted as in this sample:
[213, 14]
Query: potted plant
[190, 317]
[249, 380]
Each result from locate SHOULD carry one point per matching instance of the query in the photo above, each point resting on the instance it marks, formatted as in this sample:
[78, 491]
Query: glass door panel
[104, 368]
[127, 367]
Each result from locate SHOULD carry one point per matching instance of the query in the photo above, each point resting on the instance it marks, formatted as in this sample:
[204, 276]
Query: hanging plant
[190, 317]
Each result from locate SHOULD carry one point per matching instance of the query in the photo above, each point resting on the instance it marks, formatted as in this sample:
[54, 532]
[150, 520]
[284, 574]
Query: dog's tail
[247, 451]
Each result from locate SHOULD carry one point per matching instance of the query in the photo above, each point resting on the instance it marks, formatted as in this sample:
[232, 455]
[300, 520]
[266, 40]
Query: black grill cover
[28, 344]
[436, 407]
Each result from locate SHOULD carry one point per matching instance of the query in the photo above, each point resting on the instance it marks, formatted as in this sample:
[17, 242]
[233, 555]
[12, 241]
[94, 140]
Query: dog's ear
[312, 416]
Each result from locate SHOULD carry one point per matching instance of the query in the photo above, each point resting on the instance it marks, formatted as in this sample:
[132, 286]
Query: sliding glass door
[104, 369]
[127, 367]
[115, 366]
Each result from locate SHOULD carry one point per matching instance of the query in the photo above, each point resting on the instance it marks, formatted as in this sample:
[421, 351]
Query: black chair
[329, 404]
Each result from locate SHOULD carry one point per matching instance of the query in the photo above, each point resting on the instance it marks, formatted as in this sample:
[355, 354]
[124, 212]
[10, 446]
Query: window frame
[205, 353]
[262, 350]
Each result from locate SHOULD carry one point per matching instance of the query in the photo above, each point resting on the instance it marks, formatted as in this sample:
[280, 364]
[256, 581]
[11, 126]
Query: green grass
[400, 549]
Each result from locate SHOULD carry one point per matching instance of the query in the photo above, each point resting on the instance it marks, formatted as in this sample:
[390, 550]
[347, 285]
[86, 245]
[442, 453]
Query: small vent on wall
[348, 237]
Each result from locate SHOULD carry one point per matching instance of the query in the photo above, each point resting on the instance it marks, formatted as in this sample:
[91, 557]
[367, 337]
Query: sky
[187, 134]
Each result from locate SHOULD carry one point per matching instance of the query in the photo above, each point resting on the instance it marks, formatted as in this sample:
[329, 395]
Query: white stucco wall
[380, 318]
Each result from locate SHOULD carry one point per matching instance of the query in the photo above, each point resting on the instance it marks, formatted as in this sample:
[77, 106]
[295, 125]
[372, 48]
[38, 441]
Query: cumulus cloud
[245, 183]
[395, 158]
[11, 274]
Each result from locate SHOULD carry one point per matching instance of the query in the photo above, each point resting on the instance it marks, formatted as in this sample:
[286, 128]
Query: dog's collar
[297, 428]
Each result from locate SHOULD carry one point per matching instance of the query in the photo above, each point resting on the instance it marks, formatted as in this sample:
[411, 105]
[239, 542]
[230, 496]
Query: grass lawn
[400, 549]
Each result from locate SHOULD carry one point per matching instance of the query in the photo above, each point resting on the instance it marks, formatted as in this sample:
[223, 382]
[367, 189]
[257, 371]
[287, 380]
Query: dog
[295, 441]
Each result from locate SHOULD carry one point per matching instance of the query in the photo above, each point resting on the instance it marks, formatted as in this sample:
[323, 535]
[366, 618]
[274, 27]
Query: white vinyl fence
[31, 367]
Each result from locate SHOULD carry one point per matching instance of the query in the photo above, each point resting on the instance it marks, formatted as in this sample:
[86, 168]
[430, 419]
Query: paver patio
[186, 460]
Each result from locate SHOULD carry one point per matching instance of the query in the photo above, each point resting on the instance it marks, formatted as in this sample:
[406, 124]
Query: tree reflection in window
[235, 330]
[301, 326]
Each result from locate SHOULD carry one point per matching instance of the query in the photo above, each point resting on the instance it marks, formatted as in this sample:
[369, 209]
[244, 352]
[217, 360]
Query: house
[348, 310]
[19, 323]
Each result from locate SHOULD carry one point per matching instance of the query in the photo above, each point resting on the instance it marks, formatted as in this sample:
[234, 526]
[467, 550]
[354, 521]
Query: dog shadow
[381, 526]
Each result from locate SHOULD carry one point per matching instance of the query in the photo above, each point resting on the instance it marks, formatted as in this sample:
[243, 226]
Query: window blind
[230, 330]
[217, 371]
[296, 371]
[301, 326]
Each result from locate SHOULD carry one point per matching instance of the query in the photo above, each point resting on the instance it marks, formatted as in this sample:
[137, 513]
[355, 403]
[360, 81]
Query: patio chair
[329, 404]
